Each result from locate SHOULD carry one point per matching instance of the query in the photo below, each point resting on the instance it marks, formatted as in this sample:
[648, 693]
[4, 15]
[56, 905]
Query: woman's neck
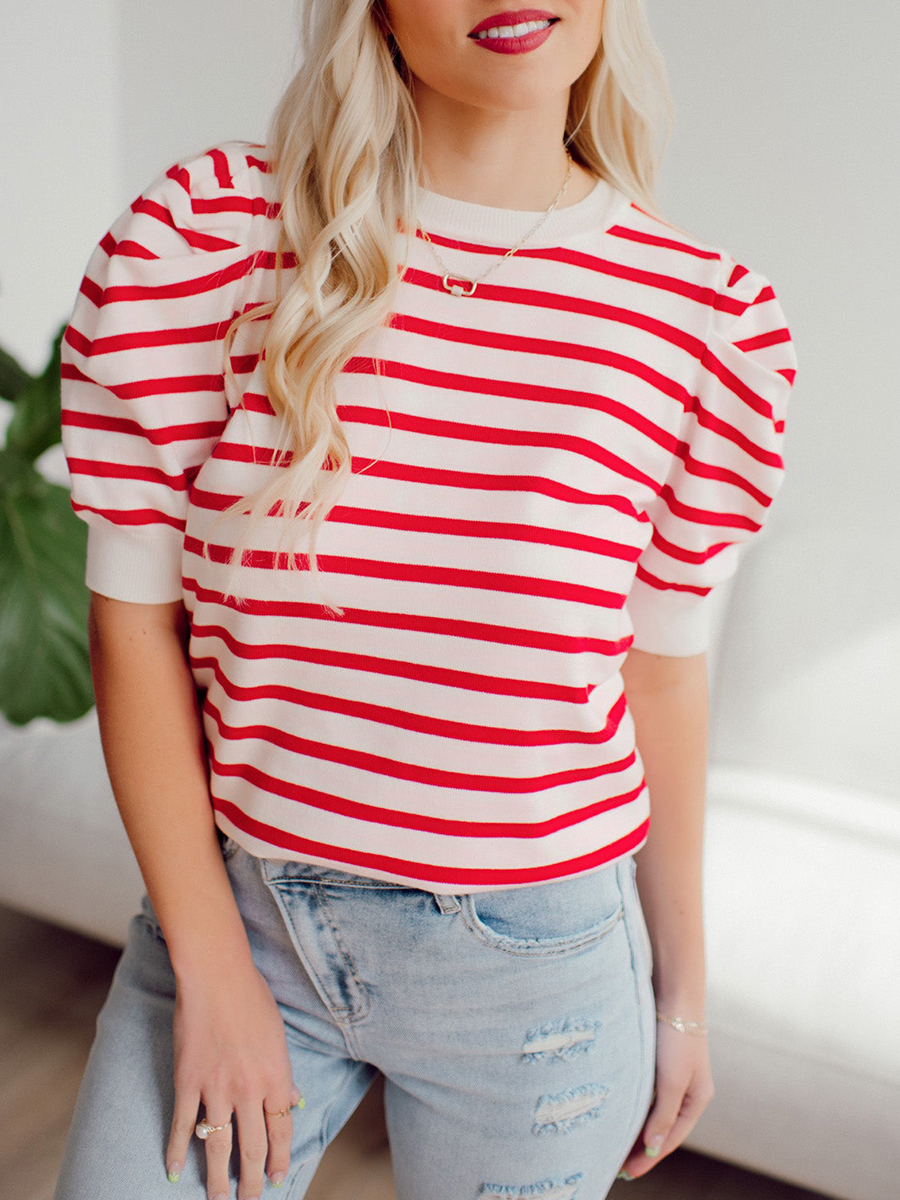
[511, 160]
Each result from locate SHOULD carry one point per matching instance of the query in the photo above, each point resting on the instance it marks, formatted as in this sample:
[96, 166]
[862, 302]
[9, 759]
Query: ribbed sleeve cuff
[141, 566]
[669, 622]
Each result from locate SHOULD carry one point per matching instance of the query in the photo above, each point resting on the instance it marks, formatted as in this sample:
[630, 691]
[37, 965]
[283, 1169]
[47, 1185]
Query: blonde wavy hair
[344, 143]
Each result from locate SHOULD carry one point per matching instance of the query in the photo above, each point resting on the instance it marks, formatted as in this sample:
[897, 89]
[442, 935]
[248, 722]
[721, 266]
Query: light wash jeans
[516, 1031]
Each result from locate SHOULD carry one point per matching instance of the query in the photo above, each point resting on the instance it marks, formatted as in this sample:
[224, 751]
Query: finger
[187, 1104]
[280, 1125]
[660, 1120]
[662, 1116]
[690, 1106]
[685, 1122]
[253, 1143]
[218, 1150]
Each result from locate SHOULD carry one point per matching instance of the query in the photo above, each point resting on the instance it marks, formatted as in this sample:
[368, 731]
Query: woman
[398, 627]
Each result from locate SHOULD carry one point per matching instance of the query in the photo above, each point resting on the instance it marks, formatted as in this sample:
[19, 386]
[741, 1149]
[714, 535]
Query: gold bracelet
[698, 1028]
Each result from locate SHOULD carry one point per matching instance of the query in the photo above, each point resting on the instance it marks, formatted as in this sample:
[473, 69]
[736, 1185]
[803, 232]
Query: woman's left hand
[684, 1087]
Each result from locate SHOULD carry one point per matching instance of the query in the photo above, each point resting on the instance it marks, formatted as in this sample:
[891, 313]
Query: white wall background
[787, 124]
[784, 153]
[787, 119]
[97, 99]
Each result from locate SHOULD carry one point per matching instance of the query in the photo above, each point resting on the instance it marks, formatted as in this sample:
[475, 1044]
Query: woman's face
[437, 41]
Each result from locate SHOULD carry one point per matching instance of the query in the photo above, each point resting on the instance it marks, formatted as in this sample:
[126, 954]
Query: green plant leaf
[35, 424]
[44, 657]
[13, 377]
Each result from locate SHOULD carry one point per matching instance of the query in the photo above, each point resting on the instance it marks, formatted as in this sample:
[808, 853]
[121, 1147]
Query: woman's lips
[515, 45]
[512, 17]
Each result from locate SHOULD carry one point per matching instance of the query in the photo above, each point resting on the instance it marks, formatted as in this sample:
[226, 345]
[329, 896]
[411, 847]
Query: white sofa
[802, 860]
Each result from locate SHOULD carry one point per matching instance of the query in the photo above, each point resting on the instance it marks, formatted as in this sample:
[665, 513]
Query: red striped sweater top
[546, 473]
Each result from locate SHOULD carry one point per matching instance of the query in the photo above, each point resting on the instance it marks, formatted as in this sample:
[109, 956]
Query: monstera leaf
[44, 659]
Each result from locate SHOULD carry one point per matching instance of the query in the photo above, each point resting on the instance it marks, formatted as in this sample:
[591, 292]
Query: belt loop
[447, 904]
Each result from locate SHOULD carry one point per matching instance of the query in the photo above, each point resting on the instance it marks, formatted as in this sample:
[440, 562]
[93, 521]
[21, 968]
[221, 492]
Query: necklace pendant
[457, 289]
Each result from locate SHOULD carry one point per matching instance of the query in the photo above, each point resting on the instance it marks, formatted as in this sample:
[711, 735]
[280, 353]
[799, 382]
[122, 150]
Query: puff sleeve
[142, 375]
[726, 470]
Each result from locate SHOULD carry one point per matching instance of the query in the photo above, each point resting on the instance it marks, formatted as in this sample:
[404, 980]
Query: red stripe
[244, 364]
[138, 388]
[145, 339]
[655, 280]
[419, 623]
[683, 555]
[723, 429]
[429, 872]
[266, 260]
[383, 469]
[766, 294]
[468, 384]
[379, 764]
[703, 470]
[666, 586]
[108, 470]
[135, 516]
[563, 254]
[774, 337]
[220, 166]
[170, 434]
[255, 402]
[557, 349]
[211, 282]
[127, 249]
[457, 526]
[89, 289]
[195, 238]
[401, 719]
[497, 435]
[424, 673]
[557, 302]
[391, 769]
[373, 568]
[652, 239]
[153, 208]
[250, 206]
[704, 515]
[180, 175]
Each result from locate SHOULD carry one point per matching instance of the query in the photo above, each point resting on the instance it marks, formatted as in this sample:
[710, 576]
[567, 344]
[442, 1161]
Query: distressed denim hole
[560, 1039]
[566, 1110]
[547, 1189]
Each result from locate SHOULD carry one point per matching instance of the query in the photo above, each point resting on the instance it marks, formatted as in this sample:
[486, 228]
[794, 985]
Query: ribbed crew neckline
[463, 219]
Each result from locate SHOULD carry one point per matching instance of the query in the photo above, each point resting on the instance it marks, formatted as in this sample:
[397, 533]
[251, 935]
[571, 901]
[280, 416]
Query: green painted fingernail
[651, 1151]
[625, 1175]
[174, 1176]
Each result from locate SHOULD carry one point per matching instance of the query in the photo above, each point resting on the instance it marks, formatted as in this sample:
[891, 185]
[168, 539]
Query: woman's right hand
[231, 1054]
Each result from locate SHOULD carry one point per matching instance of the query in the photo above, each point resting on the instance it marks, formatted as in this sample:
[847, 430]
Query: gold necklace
[457, 289]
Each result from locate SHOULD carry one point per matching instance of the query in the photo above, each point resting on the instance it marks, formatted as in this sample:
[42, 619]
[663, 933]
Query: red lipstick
[517, 44]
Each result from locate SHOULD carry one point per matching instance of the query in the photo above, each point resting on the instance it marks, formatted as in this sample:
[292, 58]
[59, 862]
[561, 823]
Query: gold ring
[283, 1112]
